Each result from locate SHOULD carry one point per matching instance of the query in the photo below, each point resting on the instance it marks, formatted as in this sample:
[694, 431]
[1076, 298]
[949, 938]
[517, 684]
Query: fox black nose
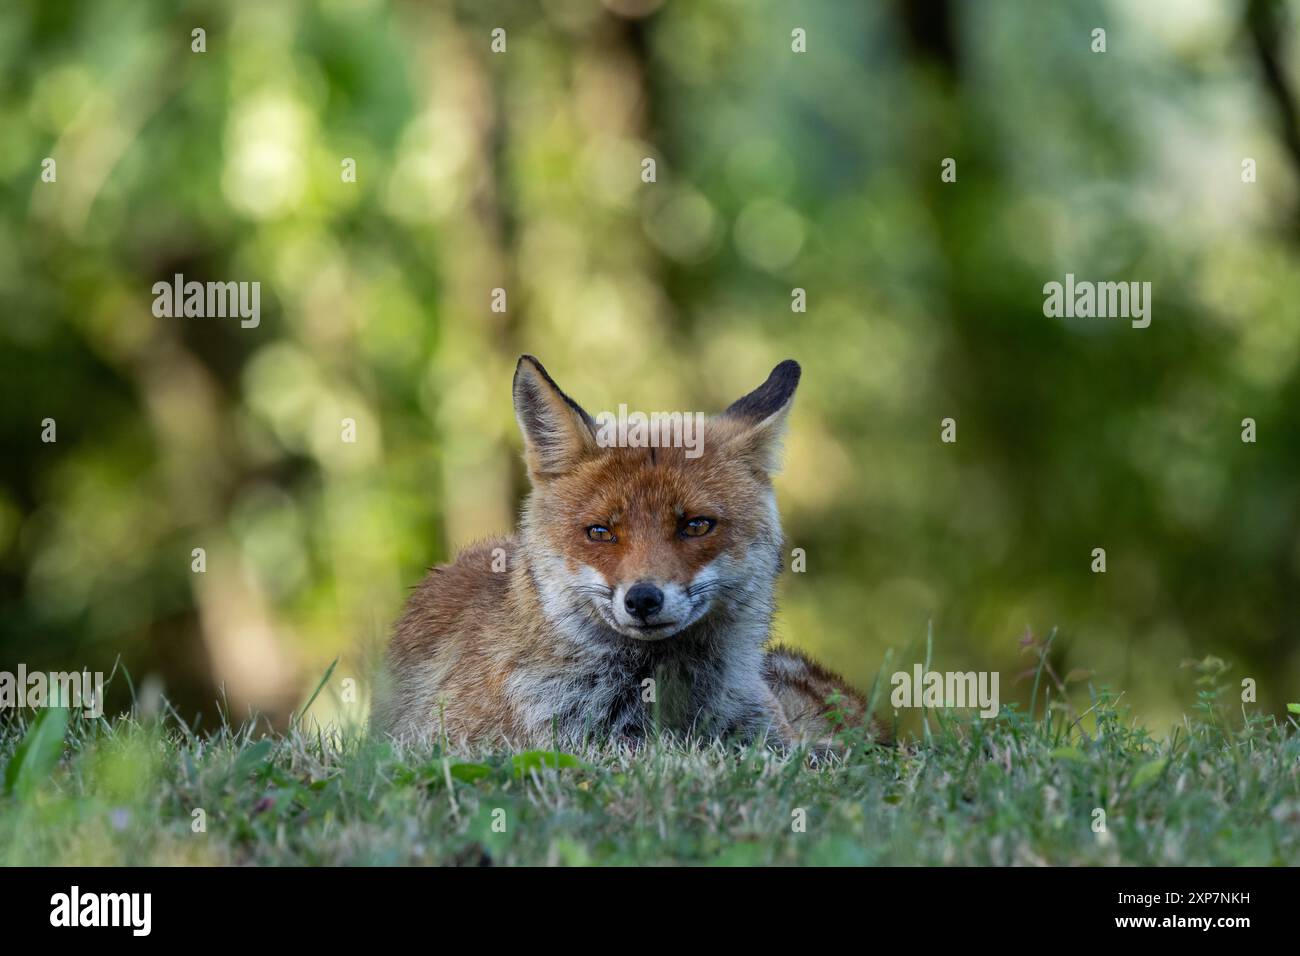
[643, 599]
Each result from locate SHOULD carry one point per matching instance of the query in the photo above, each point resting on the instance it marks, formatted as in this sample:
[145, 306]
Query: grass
[1020, 788]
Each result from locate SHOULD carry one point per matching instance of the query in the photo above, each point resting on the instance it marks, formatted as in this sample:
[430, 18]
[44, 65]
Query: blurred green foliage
[776, 170]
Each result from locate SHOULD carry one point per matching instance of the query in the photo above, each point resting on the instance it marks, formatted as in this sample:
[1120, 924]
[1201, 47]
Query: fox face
[652, 544]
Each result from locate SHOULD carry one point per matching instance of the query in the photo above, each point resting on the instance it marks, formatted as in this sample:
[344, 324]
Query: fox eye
[697, 527]
[598, 532]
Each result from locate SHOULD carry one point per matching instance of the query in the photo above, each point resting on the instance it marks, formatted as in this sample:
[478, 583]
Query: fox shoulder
[453, 597]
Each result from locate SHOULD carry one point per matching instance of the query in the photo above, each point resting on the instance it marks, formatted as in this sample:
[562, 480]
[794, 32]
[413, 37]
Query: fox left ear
[754, 424]
[557, 432]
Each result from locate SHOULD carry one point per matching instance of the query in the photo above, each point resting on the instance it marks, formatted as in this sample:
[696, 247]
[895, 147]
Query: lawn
[1224, 788]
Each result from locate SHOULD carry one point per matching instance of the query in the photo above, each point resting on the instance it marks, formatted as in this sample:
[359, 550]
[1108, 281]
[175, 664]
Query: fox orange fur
[636, 595]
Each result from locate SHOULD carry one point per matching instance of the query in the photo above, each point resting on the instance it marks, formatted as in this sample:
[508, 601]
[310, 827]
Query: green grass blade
[38, 753]
[329, 672]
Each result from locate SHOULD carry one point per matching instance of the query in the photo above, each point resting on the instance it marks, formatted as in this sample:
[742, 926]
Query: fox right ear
[557, 432]
[753, 424]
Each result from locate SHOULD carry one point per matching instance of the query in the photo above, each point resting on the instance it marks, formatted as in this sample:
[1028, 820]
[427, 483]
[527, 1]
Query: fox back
[636, 595]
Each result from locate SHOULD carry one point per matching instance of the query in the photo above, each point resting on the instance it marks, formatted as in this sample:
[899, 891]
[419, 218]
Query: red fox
[636, 596]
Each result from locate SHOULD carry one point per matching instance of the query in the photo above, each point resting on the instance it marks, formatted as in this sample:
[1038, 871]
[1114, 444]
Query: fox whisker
[592, 590]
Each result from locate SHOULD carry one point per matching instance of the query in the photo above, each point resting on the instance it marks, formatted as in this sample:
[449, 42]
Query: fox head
[650, 541]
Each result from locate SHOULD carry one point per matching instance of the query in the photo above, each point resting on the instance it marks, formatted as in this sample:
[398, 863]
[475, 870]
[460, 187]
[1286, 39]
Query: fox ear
[557, 432]
[753, 425]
